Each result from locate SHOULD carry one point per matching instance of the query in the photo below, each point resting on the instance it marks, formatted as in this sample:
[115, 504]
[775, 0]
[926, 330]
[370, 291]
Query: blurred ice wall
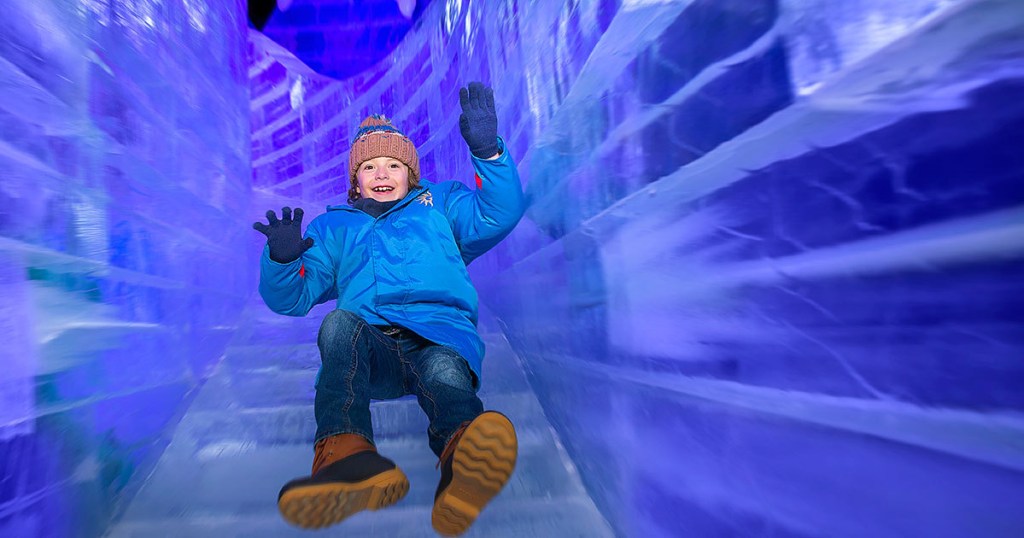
[124, 183]
[770, 279]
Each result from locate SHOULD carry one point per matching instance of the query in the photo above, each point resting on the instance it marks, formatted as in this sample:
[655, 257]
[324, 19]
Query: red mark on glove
[479, 182]
[302, 271]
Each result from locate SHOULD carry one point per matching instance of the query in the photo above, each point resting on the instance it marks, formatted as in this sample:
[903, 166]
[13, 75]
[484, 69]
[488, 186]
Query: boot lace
[322, 450]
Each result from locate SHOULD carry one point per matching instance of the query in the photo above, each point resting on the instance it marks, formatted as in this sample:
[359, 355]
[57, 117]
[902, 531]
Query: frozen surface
[769, 283]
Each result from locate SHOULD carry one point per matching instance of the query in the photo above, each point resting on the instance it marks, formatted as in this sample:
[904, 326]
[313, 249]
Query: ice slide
[769, 282]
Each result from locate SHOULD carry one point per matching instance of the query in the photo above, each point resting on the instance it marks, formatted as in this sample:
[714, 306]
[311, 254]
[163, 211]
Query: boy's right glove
[284, 236]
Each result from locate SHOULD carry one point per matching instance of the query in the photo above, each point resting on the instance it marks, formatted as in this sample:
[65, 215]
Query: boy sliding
[395, 261]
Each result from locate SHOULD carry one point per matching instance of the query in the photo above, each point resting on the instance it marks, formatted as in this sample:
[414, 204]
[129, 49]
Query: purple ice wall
[780, 246]
[769, 282]
[124, 173]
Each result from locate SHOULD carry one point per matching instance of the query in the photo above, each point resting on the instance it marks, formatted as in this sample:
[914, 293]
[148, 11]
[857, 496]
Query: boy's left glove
[479, 121]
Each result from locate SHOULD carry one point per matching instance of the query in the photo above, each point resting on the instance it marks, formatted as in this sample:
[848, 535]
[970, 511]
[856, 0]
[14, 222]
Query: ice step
[303, 354]
[232, 482]
[573, 517]
[271, 334]
[297, 356]
[271, 388]
[295, 423]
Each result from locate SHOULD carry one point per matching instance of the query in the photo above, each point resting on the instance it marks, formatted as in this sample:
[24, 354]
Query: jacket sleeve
[480, 219]
[294, 288]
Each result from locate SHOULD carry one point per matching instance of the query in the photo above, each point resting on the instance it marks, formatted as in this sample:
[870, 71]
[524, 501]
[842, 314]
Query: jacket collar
[412, 195]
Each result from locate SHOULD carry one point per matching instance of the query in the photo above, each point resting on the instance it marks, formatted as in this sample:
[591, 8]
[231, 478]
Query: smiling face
[384, 179]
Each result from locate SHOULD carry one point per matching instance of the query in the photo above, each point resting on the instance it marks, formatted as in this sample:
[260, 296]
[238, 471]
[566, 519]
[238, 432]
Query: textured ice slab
[803, 327]
[827, 36]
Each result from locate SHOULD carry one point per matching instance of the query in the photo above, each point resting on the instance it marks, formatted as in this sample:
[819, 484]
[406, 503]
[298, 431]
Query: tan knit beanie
[378, 138]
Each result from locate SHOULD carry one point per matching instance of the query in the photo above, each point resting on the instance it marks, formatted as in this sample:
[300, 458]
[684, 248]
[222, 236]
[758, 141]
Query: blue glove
[284, 236]
[479, 122]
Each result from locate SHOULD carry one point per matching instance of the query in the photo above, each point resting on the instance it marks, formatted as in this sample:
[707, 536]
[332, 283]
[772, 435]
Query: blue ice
[768, 283]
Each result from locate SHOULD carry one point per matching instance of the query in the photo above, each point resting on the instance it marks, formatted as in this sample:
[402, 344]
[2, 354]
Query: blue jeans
[360, 363]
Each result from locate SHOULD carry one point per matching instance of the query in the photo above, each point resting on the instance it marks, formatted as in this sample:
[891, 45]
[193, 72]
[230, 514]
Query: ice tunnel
[769, 282]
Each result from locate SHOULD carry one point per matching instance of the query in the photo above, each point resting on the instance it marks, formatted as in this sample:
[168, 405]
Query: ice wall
[769, 282]
[780, 249]
[124, 183]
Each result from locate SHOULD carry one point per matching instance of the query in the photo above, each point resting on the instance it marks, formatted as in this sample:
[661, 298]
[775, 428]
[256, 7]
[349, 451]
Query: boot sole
[483, 462]
[321, 505]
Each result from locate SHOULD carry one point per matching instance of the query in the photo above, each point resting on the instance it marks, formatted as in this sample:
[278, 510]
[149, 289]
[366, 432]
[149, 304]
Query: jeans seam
[419, 382]
[386, 340]
[351, 377]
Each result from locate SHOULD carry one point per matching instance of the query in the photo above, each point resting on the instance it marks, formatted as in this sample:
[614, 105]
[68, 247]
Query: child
[405, 323]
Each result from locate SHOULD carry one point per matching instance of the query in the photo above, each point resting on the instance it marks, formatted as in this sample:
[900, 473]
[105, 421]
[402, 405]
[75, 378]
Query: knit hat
[378, 138]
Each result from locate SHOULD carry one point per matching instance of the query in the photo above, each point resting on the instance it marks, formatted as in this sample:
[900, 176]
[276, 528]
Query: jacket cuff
[268, 260]
[502, 153]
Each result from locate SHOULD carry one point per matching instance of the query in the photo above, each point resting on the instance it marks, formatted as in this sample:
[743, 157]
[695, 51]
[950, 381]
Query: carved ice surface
[768, 284]
[827, 36]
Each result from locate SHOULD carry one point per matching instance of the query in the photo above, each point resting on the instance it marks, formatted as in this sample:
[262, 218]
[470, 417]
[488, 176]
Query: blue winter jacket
[406, 267]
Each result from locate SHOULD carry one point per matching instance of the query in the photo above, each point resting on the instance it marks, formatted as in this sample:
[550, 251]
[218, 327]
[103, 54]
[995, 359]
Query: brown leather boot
[475, 464]
[348, 476]
[338, 447]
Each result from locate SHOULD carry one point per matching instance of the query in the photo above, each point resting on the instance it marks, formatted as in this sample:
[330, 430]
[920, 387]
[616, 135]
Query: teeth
[383, 189]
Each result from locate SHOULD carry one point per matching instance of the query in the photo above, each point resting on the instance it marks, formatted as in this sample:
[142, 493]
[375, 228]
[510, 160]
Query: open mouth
[383, 188]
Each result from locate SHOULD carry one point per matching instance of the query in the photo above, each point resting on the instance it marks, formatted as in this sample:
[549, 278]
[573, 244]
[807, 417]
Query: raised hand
[479, 121]
[284, 236]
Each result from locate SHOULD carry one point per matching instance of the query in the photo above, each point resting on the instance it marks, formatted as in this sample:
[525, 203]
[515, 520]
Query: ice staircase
[249, 430]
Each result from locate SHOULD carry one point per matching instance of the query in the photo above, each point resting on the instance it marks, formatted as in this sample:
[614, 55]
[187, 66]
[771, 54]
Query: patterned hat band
[369, 129]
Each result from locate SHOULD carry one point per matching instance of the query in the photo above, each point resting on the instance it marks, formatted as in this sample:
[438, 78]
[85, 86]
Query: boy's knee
[339, 324]
[447, 367]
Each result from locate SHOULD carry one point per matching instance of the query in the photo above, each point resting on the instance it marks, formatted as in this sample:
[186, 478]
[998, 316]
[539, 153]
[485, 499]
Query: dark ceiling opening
[337, 38]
